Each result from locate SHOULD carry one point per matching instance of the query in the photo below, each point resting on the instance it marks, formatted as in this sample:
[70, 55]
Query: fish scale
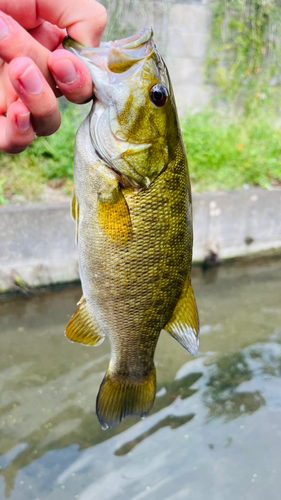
[134, 240]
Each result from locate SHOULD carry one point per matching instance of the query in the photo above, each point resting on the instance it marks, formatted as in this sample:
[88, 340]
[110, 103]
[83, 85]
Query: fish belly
[133, 285]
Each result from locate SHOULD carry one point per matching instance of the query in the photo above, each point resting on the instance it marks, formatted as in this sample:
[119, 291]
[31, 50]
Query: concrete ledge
[236, 223]
[37, 244]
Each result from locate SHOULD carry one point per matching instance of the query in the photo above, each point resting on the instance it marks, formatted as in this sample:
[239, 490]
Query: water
[214, 432]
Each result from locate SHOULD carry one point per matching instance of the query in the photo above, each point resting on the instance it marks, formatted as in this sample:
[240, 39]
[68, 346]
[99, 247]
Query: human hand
[34, 69]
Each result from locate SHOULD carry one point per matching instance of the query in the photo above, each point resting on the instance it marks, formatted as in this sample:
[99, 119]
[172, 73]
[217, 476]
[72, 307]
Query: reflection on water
[215, 428]
[172, 421]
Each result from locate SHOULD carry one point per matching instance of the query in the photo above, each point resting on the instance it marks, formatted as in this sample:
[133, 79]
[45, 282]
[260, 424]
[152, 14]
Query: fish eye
[158, 95]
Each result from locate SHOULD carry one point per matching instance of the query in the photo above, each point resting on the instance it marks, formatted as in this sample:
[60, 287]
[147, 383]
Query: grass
[222, 154]
[227, 154]
[49, 160]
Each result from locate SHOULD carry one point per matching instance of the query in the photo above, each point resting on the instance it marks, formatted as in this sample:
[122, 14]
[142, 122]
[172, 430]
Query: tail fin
[121, 397]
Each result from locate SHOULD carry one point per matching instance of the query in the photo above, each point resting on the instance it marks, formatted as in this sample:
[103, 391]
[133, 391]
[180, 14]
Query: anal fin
[184, 324]
[81, 327]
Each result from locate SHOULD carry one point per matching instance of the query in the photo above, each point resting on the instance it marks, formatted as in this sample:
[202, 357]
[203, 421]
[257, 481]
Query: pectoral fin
[114, 216]
[82, 328]
[184, 324]
[75, 213]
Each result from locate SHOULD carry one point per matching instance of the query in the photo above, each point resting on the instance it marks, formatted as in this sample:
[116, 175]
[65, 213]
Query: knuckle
[30, 50]
[52, 113]
[48, 112]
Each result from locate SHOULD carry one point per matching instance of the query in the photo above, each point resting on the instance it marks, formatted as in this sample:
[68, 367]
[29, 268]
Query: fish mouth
[113, 58]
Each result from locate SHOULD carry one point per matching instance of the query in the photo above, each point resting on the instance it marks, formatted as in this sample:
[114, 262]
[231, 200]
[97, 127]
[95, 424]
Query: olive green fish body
[134, 231]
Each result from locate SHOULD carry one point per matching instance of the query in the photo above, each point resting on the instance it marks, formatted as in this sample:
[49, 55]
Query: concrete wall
[37, 245]
[236, 223]
[188, 30]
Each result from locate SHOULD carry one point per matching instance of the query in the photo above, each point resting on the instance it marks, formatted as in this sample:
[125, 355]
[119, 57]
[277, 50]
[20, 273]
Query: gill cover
[128, 121]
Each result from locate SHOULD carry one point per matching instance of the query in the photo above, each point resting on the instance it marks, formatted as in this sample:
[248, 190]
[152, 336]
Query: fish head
[134, 105]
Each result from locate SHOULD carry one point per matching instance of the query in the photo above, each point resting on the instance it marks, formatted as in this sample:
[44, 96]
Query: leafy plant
[47, 159]
[54, 154]
[227, 154]
[244, 52]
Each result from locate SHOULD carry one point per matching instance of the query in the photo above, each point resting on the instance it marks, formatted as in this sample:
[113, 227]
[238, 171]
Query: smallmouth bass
[133, 213]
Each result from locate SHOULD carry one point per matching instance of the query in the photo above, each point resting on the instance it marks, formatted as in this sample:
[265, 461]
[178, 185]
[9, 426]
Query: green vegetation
[222, 154]
[226, 154]
[244, 52]
[49, 160]
[243, 147]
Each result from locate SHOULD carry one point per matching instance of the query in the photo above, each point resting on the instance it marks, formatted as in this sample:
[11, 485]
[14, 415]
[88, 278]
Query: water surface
[215, 429]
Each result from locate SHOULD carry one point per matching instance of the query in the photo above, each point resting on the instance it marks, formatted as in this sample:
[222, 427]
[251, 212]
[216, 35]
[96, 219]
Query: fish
[133, 212]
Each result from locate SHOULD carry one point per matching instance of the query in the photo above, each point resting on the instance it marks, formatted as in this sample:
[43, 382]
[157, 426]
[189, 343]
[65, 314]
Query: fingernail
[23, 122]
[64, 71]
[3, 29]
[31, 80]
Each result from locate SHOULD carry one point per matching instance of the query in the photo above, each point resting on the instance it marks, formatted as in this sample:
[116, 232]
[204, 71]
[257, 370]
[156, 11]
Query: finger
[48, 35]
[17, 42]
[71, 76]
[7, 91]
[33, 90]
[16, 132]
[84, 20]
[23, 12]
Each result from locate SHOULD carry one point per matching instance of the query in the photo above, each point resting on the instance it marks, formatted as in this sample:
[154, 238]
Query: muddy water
[215, 429]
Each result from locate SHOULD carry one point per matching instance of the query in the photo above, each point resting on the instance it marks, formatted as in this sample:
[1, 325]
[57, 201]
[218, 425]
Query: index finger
[84, 20]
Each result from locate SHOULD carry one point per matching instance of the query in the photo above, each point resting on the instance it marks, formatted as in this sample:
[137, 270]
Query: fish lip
[143, 36]
[131, 42]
